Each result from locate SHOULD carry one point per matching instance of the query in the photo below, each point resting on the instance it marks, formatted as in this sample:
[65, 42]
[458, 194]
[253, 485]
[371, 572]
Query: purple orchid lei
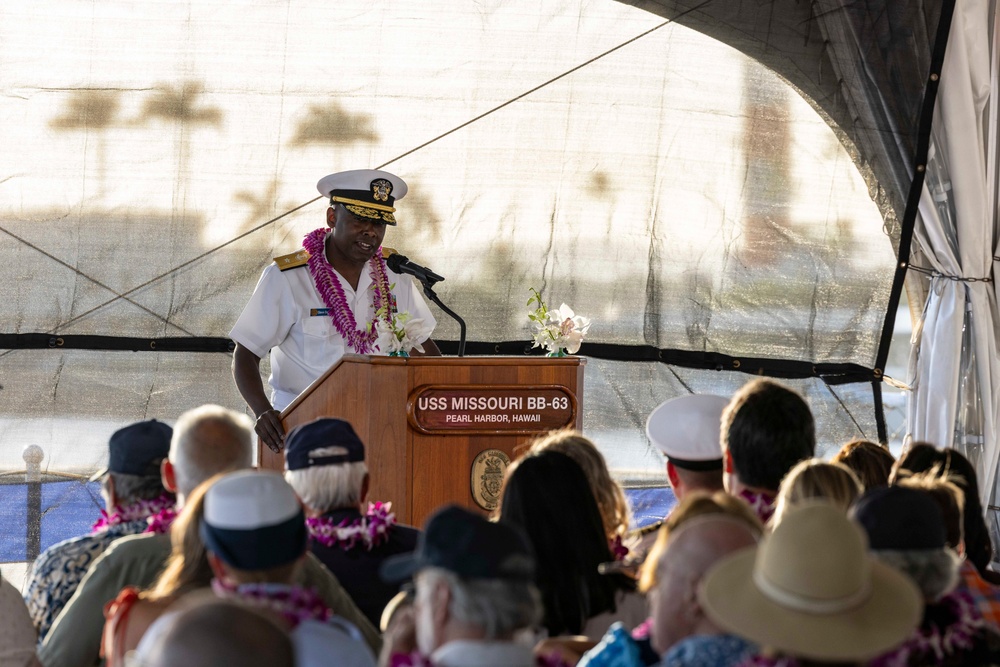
[370, 530]
[327, 284]
[140, 509]
[295, 603]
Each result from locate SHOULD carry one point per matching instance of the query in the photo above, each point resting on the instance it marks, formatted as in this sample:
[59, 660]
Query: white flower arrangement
[559, 331]
[398, 334]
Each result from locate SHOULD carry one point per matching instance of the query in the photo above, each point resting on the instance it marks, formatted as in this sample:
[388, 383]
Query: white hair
[934, 571]
[209, 440]
[329, 487]
[500, 607]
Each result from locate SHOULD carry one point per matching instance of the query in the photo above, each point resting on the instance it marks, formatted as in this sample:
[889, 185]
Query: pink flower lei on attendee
[140, 509]
[328, 285]
[417, 659]
[370, 530]
[295, 603]
[161, 522]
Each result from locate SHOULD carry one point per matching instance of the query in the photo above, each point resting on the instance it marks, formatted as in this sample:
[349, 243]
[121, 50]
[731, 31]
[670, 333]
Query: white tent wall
[955, 367]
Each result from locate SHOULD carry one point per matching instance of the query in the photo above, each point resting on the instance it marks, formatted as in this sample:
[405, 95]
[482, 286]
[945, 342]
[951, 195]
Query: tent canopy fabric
[721, 187]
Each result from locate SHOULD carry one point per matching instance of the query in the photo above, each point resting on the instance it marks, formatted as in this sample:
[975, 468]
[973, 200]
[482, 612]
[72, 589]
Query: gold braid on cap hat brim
[365, 204]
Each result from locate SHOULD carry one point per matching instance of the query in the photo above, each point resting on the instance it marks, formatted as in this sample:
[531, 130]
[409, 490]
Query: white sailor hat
[365, 193]
[686, 430]
[253, 521]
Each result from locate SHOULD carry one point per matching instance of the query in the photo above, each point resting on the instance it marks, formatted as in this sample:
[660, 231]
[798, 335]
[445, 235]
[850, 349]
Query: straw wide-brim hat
[811, 590]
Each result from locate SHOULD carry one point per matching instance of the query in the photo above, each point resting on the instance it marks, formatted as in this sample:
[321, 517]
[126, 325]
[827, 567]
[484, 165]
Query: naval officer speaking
[315, 305]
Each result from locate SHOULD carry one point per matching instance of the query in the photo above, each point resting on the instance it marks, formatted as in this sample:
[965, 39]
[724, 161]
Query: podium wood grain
[419, 472]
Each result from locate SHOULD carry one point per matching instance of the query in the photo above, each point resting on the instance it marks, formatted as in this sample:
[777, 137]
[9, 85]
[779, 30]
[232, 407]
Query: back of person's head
[906, 529]
[766, 429]
[948, 497]
[187, 568]
[693, 549]
[253, 527]
[695, 505]
[135, 453]
[498, 607]
[219, 632]
[953, 466]
[870, 461]
[325, 464]
[815, 479]
[547, 495]
[209, 440]
[609, 495]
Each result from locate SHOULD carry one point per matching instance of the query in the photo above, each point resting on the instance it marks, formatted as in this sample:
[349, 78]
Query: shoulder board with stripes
[292, 260]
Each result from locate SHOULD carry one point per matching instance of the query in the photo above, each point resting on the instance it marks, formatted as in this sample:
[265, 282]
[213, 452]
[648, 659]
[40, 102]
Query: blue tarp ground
[70, 508]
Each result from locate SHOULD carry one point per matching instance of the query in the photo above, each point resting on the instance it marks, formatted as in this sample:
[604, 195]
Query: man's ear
[442, 600]
[672, 476]
[331, 217]
[729, 462]
[168, 475]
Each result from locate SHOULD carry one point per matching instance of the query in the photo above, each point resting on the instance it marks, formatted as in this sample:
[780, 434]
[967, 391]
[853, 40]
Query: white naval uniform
[279, 319]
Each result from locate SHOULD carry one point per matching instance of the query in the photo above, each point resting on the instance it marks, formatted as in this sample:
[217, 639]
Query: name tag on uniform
[319, 311]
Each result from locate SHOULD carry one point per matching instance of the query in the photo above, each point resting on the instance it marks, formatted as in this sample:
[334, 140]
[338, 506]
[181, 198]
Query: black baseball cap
[334, 435]
[900, 518]
[137, 448]
[468, 545]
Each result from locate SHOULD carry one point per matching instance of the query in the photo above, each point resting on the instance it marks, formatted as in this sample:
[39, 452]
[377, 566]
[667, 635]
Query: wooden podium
[440, 430]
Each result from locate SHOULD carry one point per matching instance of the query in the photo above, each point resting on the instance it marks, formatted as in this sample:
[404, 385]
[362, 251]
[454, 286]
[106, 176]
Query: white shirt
[286, 316]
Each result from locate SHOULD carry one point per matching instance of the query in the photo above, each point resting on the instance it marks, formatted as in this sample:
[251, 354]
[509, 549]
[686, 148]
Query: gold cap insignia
[381, 189]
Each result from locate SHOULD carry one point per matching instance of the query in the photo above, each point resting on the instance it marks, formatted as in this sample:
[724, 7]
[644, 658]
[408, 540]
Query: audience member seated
[907, 530]
[254, 531]
[546, 495]
[17, 633]
[325, 464]
[207, 441]
[810, 594]
[952, 465]
[695, 507]
[219, 632]
[131, 613]
[132, 493]
[609, 495]
[766, 429]
[686, 430]
[474, 592]
[870, 461]
[816, 479]
[681, 631]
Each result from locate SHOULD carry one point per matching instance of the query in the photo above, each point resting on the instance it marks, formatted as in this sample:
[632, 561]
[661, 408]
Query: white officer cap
[366, 193]
[253, 520]
[686, 430]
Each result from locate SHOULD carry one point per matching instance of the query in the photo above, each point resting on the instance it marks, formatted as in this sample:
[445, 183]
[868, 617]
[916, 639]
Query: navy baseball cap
[137, 449]
[337, 439]
[468, 545]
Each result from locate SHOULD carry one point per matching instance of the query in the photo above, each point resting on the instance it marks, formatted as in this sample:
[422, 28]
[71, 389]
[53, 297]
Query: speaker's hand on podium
[269, 429]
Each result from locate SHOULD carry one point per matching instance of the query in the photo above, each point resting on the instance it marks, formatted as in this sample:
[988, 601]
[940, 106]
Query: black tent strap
[830, 373]
[41, 341]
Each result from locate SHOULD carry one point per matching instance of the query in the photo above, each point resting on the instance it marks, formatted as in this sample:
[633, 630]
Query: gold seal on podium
[487, 477]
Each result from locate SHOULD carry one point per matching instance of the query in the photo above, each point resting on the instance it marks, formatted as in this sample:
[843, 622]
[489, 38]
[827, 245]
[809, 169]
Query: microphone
[402, 264]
